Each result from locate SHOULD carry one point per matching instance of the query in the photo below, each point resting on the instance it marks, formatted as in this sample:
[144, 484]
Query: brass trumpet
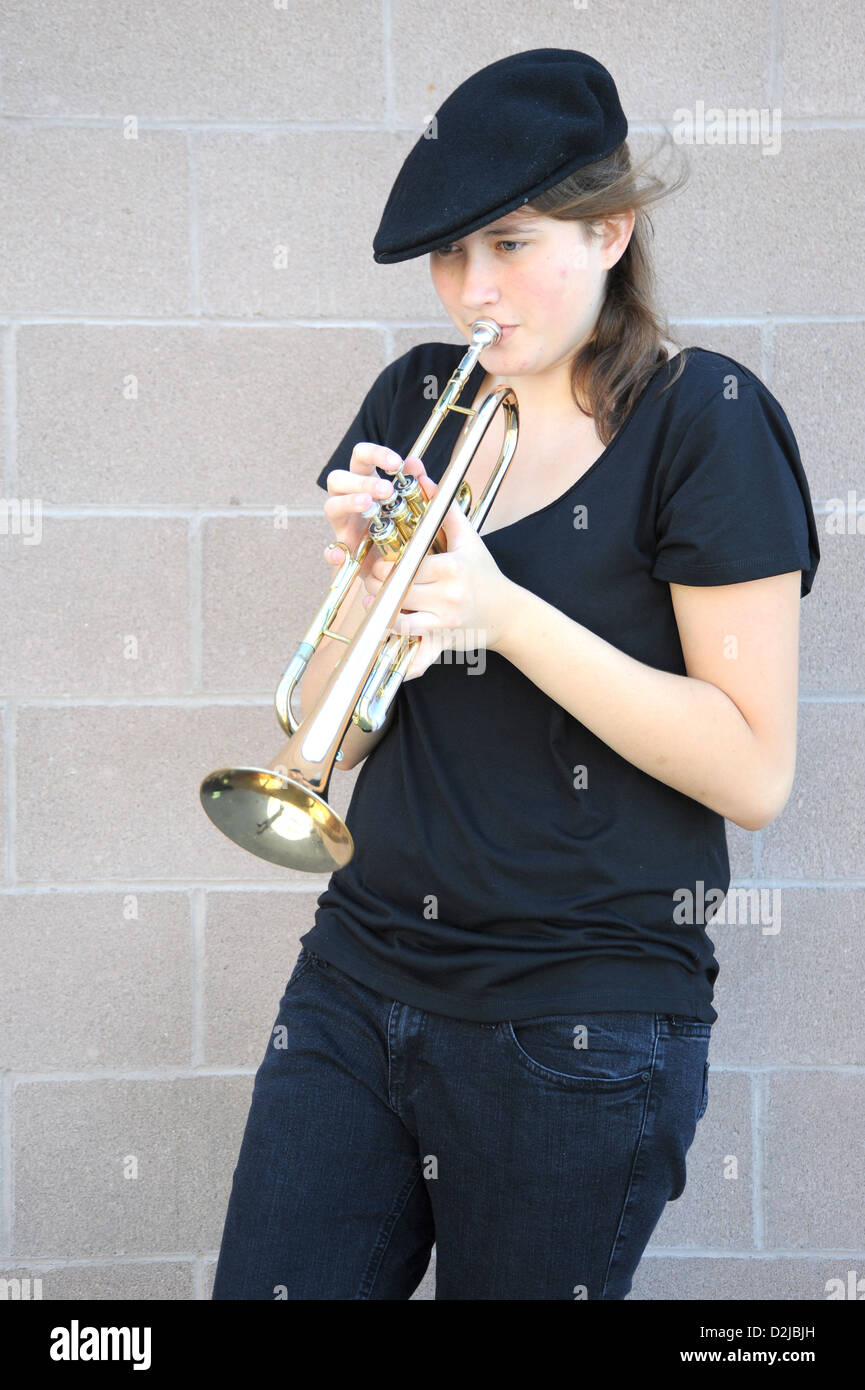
[280, 812]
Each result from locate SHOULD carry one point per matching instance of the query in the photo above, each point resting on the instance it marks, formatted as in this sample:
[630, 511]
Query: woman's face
[543, 275]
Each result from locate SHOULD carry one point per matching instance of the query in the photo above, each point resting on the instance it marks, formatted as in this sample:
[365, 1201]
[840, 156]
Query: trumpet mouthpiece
[486, 332]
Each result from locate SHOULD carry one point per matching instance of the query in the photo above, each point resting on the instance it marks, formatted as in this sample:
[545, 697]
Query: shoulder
[435, 352]
[420, 362]
[411, 383]
[732, 498]
[713, 398]
[706, 378]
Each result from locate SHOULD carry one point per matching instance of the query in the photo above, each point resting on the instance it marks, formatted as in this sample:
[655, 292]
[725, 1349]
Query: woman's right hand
[351, 490]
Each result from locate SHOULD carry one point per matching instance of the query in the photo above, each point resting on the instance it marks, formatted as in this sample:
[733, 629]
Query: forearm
[683, 731]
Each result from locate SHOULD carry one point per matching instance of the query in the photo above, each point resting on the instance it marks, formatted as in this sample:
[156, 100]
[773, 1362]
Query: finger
[424, 655]
[340, 480]
[455, 525]
[390, 460]
[340, 510]
[432, 570]
[342, 484]
[415, 465]
[416, 624]
[419, 596]
[372, 587]
[367, 457]
[371, 597]
[413, 600]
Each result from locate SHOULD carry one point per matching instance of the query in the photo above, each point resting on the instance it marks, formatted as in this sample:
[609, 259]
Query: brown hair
[611, 369]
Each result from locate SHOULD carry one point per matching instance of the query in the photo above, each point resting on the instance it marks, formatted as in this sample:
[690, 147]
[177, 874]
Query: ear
[617, 234]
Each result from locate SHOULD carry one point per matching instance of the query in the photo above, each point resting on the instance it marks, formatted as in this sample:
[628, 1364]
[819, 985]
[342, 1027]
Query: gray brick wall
[190, 315]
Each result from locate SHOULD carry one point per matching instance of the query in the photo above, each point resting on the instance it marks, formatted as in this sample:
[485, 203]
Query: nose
[479, 288]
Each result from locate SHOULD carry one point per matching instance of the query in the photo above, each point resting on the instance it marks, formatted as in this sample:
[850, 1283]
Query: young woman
[495, 1038]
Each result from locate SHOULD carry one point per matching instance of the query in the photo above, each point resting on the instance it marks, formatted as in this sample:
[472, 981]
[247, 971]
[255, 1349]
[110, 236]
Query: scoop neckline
[472, 384]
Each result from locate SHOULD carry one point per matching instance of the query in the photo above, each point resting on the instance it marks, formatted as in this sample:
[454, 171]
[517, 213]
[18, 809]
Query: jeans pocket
[704, 1101]
[595, 1052]
[303, 962]
[683, 1025]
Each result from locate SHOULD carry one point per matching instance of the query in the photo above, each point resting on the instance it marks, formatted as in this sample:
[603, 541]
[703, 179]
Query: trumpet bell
[278, 818]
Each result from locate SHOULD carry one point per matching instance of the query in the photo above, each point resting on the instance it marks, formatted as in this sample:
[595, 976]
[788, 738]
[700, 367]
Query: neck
[545, 399]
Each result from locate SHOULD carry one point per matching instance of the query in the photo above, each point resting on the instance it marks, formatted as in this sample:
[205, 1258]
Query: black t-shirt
[493, 879]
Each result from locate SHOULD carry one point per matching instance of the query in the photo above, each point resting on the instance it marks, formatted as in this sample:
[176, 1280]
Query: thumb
[456, 525]
[428, 487]
[455, 521]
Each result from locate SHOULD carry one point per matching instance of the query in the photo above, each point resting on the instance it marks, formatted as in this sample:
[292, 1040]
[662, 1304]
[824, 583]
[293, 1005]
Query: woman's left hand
[458, 598]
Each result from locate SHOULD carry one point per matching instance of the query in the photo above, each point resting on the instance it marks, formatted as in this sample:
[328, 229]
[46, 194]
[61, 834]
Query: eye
[444, 251]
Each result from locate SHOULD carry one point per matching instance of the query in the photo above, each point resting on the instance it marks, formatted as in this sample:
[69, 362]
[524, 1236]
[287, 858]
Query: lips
[507, 329]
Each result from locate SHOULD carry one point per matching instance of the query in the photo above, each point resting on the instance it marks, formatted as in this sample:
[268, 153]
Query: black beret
[502, 137]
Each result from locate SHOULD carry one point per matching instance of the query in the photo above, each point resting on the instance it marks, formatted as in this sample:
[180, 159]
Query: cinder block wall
[190, 316]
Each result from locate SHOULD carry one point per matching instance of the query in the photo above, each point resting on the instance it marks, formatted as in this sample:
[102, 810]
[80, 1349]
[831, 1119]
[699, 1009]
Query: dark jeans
[537, 1155]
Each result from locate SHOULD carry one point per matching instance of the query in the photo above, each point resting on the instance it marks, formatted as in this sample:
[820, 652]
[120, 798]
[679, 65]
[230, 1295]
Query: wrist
[507, 617]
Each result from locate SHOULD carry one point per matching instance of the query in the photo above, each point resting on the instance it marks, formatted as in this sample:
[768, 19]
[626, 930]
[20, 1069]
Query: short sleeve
[369, 424]
[734, 502]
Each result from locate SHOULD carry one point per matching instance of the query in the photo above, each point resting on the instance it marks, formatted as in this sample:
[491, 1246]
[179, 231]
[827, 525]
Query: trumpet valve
[411, 492]
[383, 533]
[395, 509]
